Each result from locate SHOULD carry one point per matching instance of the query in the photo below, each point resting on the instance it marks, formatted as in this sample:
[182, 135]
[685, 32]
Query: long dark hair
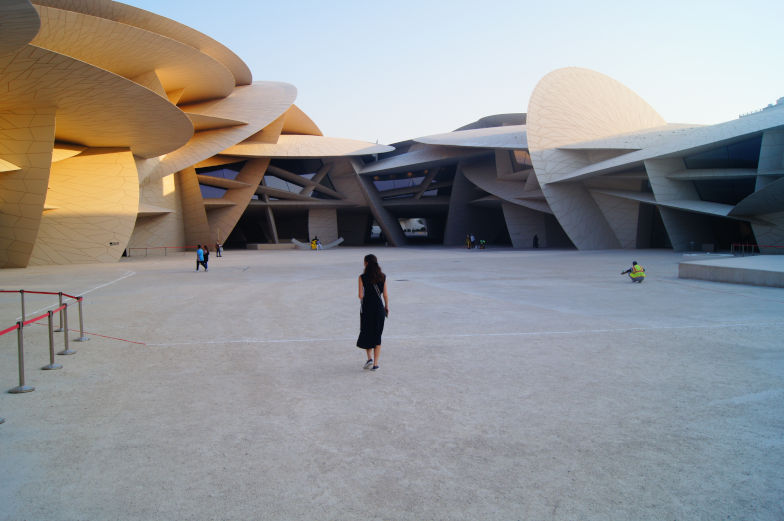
[373, 272]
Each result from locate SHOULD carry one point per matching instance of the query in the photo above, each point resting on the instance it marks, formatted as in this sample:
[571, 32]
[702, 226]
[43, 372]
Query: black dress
[371, 318]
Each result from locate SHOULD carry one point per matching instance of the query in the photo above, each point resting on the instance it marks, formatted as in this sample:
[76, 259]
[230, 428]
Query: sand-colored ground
[513, 385]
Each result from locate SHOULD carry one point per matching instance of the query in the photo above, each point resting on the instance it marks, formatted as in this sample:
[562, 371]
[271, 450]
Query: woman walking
[374, 309]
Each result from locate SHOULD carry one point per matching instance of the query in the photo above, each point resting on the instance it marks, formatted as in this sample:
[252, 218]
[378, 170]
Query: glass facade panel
[224, 171]
[327, 182]
[211, 192]
[744, 154]
[394, 181]
[729, 191]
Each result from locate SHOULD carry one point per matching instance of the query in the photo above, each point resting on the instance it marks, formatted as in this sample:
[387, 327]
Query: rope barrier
[160, 247]
[164, 248]
[744, 248]
[8, 330]
[115, 338]
[749, 244]
[62, 310]
[40, 293]
[92, 333]
[36, 319]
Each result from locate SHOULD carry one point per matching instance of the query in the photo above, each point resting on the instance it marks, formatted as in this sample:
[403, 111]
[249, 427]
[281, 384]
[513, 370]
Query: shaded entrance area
[651, 232]
[263, 225]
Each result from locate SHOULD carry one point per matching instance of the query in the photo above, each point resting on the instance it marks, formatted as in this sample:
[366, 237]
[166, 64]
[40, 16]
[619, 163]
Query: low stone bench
[270, 246]
[306, 245]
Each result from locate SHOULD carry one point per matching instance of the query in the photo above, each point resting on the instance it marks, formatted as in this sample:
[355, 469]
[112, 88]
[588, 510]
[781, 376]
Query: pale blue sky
[397, 70]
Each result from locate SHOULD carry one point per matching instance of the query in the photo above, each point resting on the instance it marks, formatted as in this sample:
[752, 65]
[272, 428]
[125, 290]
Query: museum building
[122, 131]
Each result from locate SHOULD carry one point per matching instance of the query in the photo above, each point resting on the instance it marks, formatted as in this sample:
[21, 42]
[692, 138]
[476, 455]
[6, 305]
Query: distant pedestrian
[374, 309]
[206, 257]
[536, 241]
[199, 257]
[473, 241]
[219, 249]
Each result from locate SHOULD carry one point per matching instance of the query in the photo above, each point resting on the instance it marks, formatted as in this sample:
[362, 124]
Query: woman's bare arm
[386, 298]
[360, 288]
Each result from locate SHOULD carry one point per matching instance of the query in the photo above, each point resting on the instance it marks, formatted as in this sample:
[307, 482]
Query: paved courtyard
[513, 385]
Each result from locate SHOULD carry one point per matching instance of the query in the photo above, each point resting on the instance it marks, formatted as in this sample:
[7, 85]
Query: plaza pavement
[513, 385]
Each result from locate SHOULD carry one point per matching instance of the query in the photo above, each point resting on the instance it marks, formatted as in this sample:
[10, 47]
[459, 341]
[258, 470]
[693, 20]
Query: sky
[398, 70]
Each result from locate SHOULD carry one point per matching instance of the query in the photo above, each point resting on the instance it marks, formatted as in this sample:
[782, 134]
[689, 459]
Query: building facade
[123, 130]
[592, 166]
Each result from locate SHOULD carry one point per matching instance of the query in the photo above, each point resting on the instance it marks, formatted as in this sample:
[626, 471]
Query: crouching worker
[636, 272]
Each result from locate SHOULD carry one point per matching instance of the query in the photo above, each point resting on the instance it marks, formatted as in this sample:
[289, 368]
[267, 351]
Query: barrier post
[52, 364]
[67, 350]
[21, 292]
[21, 388]
[81, 338]
[59, 329]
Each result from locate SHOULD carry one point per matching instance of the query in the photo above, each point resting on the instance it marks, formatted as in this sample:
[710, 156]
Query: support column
[457, 219]
[686, 231]
[523, 223]
[388, 223]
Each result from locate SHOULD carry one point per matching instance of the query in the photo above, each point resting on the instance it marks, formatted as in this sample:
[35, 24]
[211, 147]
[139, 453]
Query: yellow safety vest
[637, 272]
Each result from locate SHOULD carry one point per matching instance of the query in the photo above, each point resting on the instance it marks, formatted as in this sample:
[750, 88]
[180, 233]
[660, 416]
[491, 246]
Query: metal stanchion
[21, 388]
[61, 313]
[51, 365]
[67, 350]
[82, 337]
[21, 292]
